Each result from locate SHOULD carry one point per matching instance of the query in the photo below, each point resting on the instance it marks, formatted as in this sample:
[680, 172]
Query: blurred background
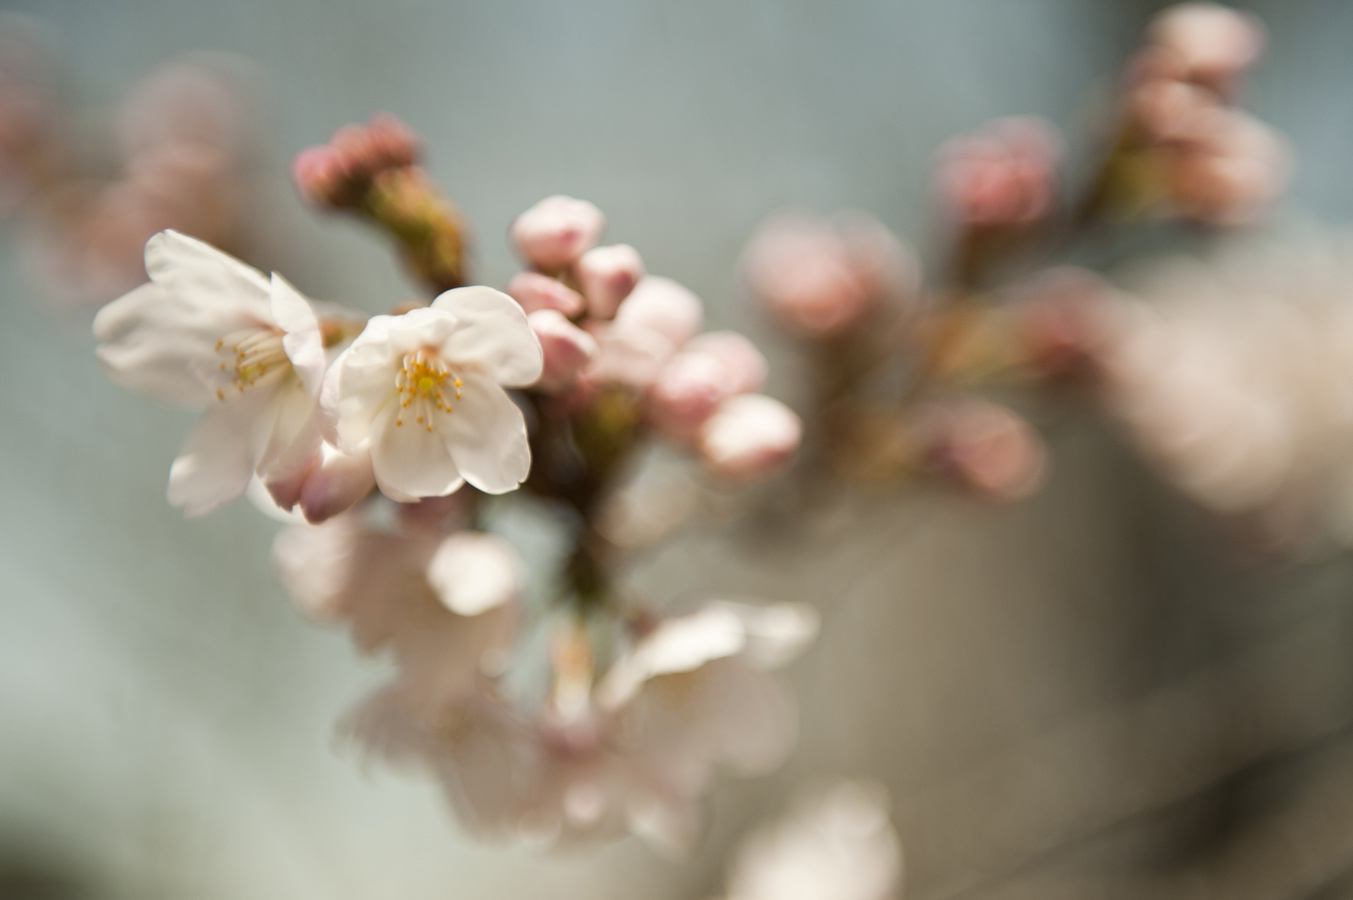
[1086, 694]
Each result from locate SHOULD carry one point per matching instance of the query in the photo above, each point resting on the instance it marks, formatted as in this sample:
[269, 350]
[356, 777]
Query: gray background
[1076, 696]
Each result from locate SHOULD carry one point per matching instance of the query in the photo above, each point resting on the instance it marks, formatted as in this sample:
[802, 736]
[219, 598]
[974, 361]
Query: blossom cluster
[382, 435]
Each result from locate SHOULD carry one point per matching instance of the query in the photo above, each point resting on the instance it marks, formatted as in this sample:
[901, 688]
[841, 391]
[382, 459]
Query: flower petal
[198, 272]
[493, 335]
[305, 348]
[140, 356]
[486, 435]
[359, 384]
[217, 459]
[411, 462]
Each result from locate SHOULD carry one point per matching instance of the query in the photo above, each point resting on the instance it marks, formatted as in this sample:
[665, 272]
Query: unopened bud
[567, 349]
[607, 275]
[750, 436]
[556, 232]
[535, 291]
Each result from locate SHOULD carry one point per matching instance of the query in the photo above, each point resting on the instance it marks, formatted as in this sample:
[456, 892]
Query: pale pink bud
[1002, 176]
[822, 278]
[319, 175]
[802, 272]
[337, 484]
[664, 307]
[1064, 322]
[535, 291]
[567, 349]
[745, 366]
[987, 447]
[328, 483]
[1215, 44]
[1167, 108]
[1228, 169]
[710, 368]
[686, 393]
[749, 436]
[556, 231]
[607, 275]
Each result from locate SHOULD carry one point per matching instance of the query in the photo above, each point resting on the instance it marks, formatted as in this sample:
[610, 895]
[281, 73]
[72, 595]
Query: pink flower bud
[1227, 169]
[567, 349]
[607, 275]
[319, 175]
[1002, 176]
[1064, 322]
[749, 436]
[664, 307]
[329, 483]
[986, 447]
[823, 278]
[1214, 44]
[744, 365]
[556, 231]
[336, 485]
[535, 291]
[686, 393]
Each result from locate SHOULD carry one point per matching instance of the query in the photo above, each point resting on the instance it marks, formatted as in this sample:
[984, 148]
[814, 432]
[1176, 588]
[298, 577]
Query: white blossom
[209, 329]
[423, 392]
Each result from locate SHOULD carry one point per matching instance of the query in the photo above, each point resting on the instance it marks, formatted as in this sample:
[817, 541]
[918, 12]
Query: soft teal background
[165, 717]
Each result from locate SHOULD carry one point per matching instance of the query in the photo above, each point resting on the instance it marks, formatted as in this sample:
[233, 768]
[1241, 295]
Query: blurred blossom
[399, 593]
[653, 323]
[423, 393]
[835, 844]
[1234, 380]
[556, 232]
[822, 278]
[707, 371]
[634, 754]
[647, 507]
[984, 446]
[31, 126]
[209, 329]
[186, 143]
[1002, 176]
[1060, 321]
[1213, 44]
[750, 436]
[1226, 168]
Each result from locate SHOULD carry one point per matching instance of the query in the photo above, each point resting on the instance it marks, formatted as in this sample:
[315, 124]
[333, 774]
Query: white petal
[305, 348]
[138, 355]
[198, 272]
[493, 335]
[487, 436]
[358, 386]
[409, 461]
[289, 436]
[776, 633]
[473, 572]
[217, 459]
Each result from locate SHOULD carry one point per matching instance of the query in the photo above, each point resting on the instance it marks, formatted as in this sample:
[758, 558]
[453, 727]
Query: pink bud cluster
[1219, 165]
[339, 173]
[825, 278]
[1003, 176]
[603, 322]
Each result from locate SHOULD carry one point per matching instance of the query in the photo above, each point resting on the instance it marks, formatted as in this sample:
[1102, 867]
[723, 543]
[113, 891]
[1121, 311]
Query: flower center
[426, 386]
[252, 356]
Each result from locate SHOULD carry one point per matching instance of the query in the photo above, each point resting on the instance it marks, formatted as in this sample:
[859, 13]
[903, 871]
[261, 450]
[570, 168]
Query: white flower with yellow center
[210, 329]
[424, 393]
